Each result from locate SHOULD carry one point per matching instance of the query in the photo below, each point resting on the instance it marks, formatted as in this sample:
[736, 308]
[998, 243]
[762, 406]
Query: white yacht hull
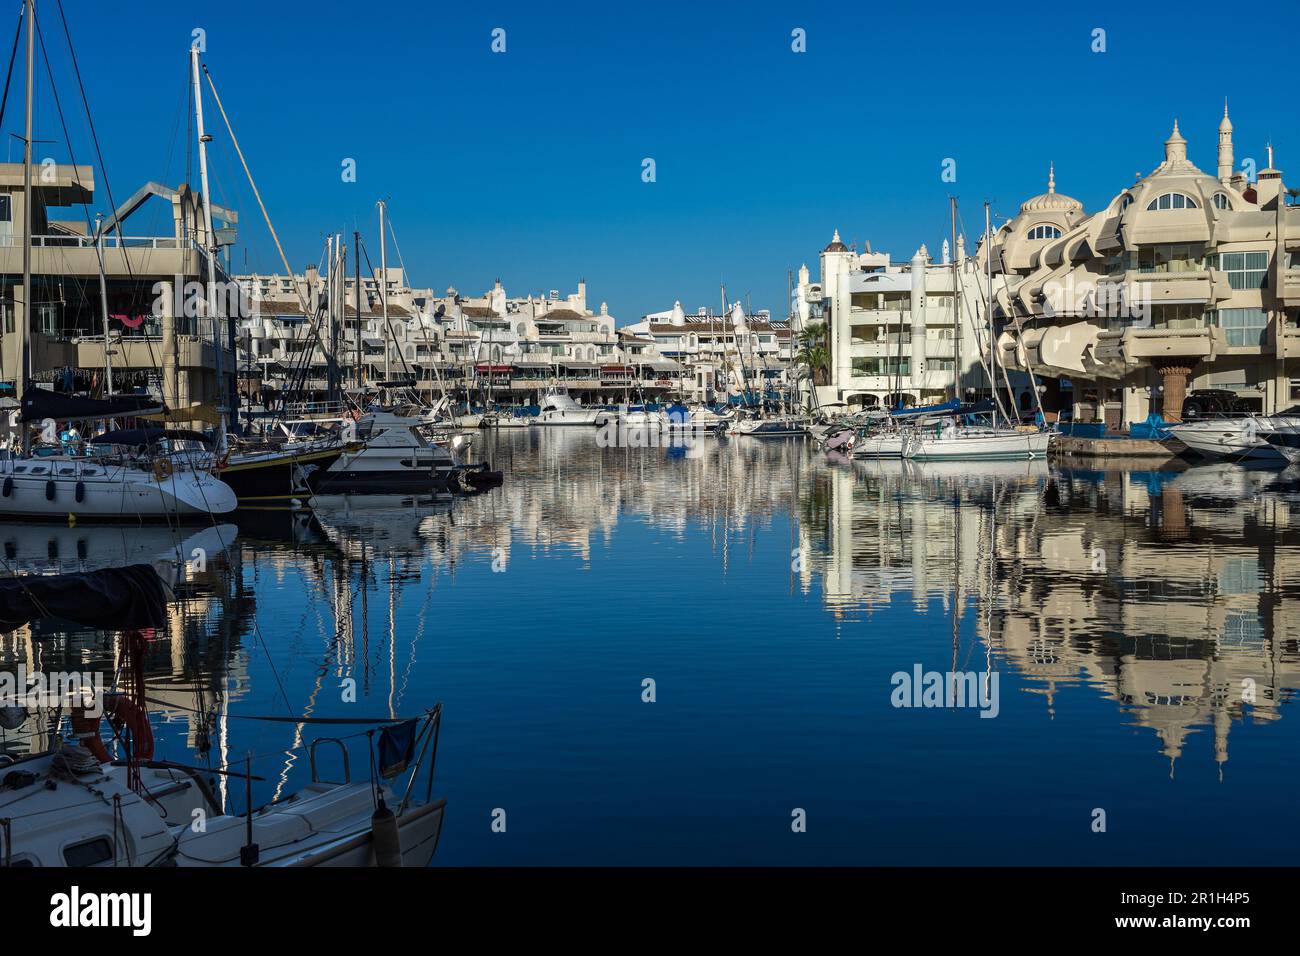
[1285, 441]
[976, 446]
[345, 840]
[115, 492]
[569, 416]
[1230, 438]
[771, 428]
[878, 446]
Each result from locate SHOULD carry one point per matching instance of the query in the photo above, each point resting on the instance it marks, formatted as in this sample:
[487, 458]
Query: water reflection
[1168, 594]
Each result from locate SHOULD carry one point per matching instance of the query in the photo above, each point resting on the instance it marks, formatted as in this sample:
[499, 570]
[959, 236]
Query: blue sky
[527, 164]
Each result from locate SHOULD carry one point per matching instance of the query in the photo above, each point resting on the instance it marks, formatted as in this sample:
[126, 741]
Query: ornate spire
[1051, 178]
[1175, 146]
[1225, 146]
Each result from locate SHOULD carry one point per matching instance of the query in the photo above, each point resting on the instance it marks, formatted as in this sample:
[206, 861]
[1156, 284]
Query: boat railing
[343, 749]
[306, 409]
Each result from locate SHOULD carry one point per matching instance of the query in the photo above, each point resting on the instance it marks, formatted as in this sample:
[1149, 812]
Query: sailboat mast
[331, 277]
[26, 365]
[103, 304]
[988, 306]
[383, 290]
[356, 252]
[956, 304]
[210, 246]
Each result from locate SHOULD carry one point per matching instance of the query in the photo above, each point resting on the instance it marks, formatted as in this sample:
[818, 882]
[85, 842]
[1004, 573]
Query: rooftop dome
[1051, 201]
[835, 244]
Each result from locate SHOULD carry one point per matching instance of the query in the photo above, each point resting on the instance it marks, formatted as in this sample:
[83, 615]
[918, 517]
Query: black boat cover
[147, 436]
[128, 598]
[41, 403]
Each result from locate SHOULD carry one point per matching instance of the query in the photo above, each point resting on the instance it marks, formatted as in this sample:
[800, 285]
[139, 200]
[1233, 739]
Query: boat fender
[385, 837]
[8, 487]
[81, 492]
[49, 490]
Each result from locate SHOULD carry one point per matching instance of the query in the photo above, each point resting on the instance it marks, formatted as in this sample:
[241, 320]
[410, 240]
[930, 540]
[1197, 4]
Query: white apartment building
[721, 356]
[512, 348]
[912, 333]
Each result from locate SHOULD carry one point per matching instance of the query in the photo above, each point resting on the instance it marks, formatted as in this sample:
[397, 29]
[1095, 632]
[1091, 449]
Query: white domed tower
[1053, 202]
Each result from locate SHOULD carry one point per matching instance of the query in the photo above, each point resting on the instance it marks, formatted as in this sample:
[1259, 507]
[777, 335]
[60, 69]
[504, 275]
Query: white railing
[109, 242]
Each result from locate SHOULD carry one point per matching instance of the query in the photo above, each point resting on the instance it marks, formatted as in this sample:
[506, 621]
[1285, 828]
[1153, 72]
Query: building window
[882, 366]
[1244, 327]
[1220, 201]
[1246, 270]
[1045, 231]
[1169, 257]
[1125, 202]
[1183, 315]
[1172, 201]
[6, 209]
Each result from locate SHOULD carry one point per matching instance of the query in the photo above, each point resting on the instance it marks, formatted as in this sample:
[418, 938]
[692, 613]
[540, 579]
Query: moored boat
[977, 443]
[1231, 437]
[560, 408]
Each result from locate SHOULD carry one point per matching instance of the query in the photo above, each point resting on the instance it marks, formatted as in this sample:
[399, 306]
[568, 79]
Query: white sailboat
[83, 480]
[110, 487]
[950, 439]
[954, 442]
[50, 821]
[878, 444]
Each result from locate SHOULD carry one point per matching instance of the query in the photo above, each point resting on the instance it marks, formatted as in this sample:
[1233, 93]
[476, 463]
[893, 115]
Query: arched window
[1125, 202]
[1044, 231]
[1220, 201]
[1172, 201]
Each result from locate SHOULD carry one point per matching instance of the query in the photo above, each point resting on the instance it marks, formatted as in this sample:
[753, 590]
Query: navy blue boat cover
[117, 599]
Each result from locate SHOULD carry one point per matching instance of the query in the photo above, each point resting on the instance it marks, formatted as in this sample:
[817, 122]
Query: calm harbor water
[1140, 628]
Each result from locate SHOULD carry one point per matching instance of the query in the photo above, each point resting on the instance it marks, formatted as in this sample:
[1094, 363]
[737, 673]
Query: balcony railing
[109, 242]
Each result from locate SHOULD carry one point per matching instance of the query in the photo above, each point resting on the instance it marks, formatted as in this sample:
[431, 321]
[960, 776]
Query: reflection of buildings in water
[1169, 592]
[919, 528]
[562, 488]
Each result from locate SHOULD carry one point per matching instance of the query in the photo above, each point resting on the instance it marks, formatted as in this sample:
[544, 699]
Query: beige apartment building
[160, 334]
[1184, 280]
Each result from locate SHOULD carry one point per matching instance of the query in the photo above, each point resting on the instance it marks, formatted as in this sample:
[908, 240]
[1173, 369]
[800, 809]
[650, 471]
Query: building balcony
[141, 352]
[600, 338]
[1290, 287]
[893, 316]
[1157, 288]
[886, 347]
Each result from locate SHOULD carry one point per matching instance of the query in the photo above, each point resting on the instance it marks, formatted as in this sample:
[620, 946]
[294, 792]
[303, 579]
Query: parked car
[1214, 403]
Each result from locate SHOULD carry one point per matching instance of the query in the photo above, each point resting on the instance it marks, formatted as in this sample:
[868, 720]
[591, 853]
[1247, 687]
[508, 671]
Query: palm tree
[813, 354]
